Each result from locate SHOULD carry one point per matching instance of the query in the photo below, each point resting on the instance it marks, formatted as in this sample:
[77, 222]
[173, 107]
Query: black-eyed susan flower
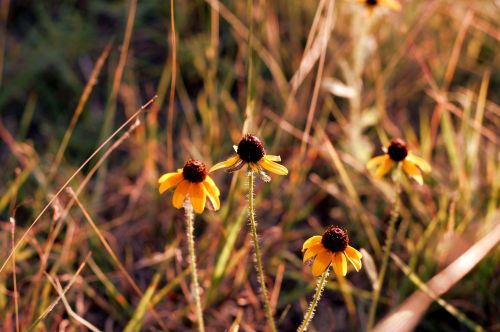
[371, 4]
[331, 248]
[193, 181]
[396, 152]
[251, 151]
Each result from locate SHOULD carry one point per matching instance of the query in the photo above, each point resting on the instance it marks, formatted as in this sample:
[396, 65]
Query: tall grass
[331, 86]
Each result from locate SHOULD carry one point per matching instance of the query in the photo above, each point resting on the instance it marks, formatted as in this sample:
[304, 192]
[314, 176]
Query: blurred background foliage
[429, 74]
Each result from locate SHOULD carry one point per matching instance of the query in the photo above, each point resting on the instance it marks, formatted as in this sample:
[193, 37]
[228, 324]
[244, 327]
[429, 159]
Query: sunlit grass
[332, 85]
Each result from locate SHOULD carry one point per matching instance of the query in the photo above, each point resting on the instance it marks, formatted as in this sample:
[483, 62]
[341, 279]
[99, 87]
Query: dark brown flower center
[397, 150]
[194, 171]
[371, 2]
[251, 149]
[335, 239]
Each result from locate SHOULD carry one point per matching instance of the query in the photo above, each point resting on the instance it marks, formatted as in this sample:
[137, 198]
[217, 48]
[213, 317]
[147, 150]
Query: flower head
[331, 247]
[371, 4]
[192, 180]
[250, 150]
[396, 152]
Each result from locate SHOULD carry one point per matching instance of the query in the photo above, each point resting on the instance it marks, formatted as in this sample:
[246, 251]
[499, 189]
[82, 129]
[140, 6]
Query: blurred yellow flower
[192, 180]
[397, 151]
[371, 4]
[331, 247]
[251, 151]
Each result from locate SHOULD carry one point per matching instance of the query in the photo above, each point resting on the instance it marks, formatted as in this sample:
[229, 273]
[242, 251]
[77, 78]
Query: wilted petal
[226, 163]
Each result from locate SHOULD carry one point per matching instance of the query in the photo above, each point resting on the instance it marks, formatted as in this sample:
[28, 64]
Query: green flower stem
[188, 208]
[258, 257]
[312, 306]
[387, 251]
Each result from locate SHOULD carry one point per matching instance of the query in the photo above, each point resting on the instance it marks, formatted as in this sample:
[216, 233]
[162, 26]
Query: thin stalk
[387, 250]
[188, 209]
[14, 277]
[312, 306]
[258, 257]
[250, 98]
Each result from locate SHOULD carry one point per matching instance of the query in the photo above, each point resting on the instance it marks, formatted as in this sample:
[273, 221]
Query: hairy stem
[387, 251]
[312, 306]
[258, 257]
[188, 208]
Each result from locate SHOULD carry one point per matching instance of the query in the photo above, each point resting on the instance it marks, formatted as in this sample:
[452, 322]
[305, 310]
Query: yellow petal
[339, 264]
[198, 197]
[392, 4]
[273, 167]
[353, 252]
[224, 164]
[383, 169]
[170, 181]
[180, 193]
[353, 258]
[312, 251]
[273, 158]
[413, 171]
[376, 161]
[213, 194]
[321, 262]
[167, 176]
[421, 163]
[310, 241]
[213, 187]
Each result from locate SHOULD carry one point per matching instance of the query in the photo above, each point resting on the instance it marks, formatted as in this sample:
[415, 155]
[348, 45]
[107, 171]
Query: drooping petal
[321, 262]
[226, 163]
[170, 181]
[421, 163]
[273, 167]
[383, 169]
[310, 241]
[413, 171]
[392, 4]
[339, 264]
[213, 195]
[213, 187]
[273, 158]
[312, 251]
[353, 258]
[198, 197]
[236, 167]
[180, 193]
[353, 252]
[257, 167]
[376, 161]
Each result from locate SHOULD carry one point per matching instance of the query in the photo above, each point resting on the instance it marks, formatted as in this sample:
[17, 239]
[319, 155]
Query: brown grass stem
[125, 124]
[113, 256]
[387, 250]
[79, 109]
[14, 278]
[170, 116]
